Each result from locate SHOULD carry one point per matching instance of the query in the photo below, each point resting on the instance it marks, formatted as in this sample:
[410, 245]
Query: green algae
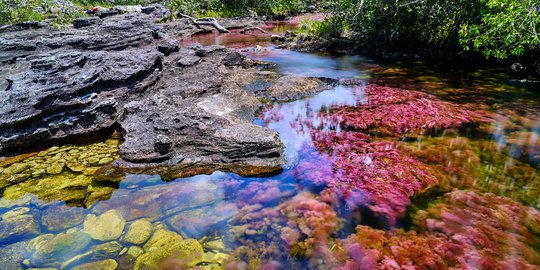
[60, 173]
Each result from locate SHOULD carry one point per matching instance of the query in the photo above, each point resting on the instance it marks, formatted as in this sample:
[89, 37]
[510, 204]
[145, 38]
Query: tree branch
[206, 21]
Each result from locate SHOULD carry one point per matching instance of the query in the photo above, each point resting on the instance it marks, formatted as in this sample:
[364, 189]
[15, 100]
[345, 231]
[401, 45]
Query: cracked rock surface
[177, 107]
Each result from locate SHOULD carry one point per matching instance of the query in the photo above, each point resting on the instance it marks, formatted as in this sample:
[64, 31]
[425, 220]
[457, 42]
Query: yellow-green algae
[60, 173]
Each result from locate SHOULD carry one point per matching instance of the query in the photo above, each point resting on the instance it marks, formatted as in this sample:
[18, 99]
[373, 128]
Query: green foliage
[106, 3]
[506, 27]
[329, 28]
[239, 7]
[12, 11]
[496, 28]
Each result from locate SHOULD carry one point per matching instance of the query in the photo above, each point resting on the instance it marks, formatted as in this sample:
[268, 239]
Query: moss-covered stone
[75, 166]
[169, 247]
[16, 168]
[138, 232]
[107, 226]
[55, 168]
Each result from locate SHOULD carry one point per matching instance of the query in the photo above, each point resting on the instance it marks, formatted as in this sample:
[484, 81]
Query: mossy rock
[167, 247]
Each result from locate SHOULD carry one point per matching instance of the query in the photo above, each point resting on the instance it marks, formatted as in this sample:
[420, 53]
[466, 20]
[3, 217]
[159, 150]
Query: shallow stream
[398, 165]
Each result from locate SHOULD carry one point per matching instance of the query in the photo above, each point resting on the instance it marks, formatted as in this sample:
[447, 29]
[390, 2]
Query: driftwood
[206, 21]
[252, 28]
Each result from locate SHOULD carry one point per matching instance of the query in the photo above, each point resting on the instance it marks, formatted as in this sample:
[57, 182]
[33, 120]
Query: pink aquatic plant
[465, 230]
[394, 112]
[300, 227]
[372, 174]
[310, 222]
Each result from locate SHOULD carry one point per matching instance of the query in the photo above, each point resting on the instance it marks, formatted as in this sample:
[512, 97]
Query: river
[399, 164]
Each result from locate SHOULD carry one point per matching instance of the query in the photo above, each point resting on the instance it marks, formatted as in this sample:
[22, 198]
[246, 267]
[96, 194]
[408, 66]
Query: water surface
[469, 192]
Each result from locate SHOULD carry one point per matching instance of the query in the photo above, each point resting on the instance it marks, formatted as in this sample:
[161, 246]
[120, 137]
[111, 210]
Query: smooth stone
[16, 168]
[17, 224]
[202, 221]
[138, 232]
[108, 226]
[55, 168]
[53, 250]
[61, 217]
[101, 265]
[104, 251]
[166, 244]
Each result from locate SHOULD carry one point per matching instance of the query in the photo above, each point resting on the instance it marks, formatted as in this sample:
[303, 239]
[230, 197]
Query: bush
[506, 28]
[12, 11]
[276, 8]
[496, 28]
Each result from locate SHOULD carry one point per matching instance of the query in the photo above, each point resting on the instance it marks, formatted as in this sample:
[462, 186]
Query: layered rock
[178, 110]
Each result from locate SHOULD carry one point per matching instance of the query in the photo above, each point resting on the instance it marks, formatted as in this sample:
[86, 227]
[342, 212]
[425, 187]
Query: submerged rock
[167, 248]
[288, 88]
[107, 226]
[102, 265]
[50, 250]
[18, 224]
[138, 232]
[104, 251]
[59, 217]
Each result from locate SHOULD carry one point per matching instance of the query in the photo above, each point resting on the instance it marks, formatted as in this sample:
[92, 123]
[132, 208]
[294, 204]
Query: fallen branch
[206, 21]
[252, 28]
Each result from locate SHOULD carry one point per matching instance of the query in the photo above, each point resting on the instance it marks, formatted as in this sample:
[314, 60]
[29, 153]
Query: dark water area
[397, 166]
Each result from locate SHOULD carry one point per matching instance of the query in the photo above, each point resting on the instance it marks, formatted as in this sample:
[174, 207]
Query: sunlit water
[292, 220]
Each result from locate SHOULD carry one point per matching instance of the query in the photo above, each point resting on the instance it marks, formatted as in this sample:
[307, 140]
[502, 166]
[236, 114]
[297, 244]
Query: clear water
[305, 217]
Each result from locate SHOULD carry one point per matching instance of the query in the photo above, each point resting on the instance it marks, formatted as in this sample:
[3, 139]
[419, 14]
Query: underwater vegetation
[388, 111]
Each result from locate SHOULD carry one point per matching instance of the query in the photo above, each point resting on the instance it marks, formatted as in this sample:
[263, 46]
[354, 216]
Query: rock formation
[177, 108]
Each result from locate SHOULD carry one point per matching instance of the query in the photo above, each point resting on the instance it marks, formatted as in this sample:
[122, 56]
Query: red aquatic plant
[372, 174]
[394, 112]
[465, 230]
[310, 222]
